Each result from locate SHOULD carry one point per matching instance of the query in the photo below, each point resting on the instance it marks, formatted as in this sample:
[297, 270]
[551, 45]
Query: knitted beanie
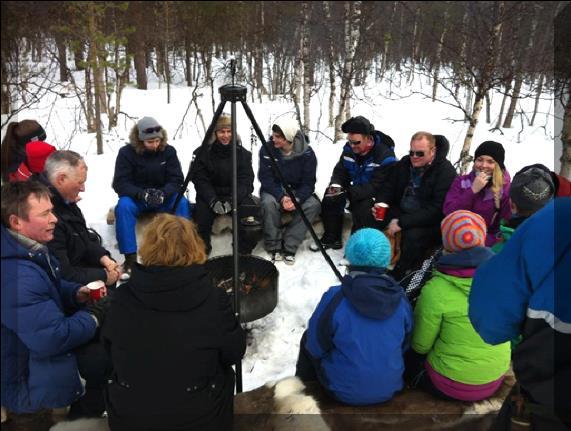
[368, 247]
[36, 154]
[462, 230]
[288, 127]
[531, 188]
[149, 128]
[224, 122]
[493, 149]
[359, 125]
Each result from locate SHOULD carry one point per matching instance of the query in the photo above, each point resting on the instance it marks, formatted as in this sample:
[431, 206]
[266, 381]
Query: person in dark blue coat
[147, 178]
[358, 333]
[298, 165]
[44, 321]
[362, 169]
[524, 290]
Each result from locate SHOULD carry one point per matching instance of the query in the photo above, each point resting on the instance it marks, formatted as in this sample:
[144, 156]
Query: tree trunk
[137, 41]
[488, 106]
[483, 85]
[62, 57]
[331, 61]
[79, 55]
[537, 97]
[166, 52]
[438, 59]
[352, 34]
[387, 41]
[6, 97]
[97, 74]
[187, 62]
[307, 70]
[415, 44]
[515, 97]
[566, 141]
[89, 105]
[464, 155]
[504, 99]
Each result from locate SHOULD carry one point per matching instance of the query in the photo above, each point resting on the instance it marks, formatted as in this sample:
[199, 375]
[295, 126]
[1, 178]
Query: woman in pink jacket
[485, 190]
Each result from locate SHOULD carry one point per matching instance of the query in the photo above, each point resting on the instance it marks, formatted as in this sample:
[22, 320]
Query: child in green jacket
[449, 358]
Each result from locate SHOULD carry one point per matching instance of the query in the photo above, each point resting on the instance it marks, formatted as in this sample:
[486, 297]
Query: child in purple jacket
[485, 190]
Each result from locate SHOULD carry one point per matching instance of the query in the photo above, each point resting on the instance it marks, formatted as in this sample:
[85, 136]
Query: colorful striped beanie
[462, 230]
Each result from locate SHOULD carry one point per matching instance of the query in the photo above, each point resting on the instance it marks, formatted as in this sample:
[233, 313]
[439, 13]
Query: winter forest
[92, 51]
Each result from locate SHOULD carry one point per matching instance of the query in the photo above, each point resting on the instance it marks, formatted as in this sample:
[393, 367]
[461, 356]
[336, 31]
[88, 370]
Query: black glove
[154, 197]
[99, 309]
[221, 207]
[334, 191]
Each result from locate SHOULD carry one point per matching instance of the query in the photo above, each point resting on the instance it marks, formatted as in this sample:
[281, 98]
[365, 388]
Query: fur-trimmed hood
[139, 146]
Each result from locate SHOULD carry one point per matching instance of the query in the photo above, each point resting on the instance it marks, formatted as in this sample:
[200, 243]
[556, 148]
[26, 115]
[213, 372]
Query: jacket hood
[469, 258]
[463, 284]
[170, 288]
[380, 137]
[442, 147]
[10, 247]
[139, 146]
[372, 292]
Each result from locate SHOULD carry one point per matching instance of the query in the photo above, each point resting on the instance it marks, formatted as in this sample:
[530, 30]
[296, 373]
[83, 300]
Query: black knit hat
[531, 188]
[358, 125]
[492, 149]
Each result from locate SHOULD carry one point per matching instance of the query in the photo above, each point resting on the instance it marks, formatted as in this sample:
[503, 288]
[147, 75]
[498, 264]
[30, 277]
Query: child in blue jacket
[357, 335]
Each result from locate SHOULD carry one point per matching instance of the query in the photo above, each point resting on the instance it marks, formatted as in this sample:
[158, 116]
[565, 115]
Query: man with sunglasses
[147, 178]
[415, 193]
[361, 170]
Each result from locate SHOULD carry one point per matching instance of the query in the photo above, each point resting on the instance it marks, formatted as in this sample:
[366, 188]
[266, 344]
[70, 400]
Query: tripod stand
[237, 93]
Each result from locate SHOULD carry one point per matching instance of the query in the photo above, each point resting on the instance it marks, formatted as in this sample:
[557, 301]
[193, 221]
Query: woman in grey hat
[147, 178]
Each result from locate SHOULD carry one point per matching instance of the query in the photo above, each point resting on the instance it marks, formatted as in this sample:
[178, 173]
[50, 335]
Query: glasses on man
[152, 129]
[416, 153]
[350, 142]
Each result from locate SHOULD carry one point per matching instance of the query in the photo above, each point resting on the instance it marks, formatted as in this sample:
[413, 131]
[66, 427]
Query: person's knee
[126, 205]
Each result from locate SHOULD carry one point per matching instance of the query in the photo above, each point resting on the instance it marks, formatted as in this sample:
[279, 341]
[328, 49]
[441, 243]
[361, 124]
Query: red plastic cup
[380, 210]
[96, 290]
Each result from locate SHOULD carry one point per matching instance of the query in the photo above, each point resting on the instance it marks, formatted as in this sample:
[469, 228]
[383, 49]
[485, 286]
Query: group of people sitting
[357, 342]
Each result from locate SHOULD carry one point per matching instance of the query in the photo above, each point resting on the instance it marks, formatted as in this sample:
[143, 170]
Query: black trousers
[204, 218]
[94, 365]
[417, 244]
[332, 209]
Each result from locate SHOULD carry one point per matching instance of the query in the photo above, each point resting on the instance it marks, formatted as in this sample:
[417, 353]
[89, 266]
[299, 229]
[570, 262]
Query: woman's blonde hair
[171, 241]
[497, 184]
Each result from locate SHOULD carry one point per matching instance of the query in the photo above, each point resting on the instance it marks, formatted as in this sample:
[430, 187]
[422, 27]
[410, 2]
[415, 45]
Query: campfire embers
[258, 284]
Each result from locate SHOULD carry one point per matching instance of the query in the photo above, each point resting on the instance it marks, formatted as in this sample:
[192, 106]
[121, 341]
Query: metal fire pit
[258, 285]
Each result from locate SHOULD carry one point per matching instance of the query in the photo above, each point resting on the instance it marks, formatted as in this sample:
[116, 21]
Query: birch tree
[352, 20]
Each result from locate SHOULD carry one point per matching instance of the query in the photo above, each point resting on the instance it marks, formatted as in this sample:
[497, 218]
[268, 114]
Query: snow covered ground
[275, 339]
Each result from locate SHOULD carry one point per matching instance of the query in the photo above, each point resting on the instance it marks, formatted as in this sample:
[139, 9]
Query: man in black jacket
[415, 192]
[211, 174]
[82, 257]
[364, 164]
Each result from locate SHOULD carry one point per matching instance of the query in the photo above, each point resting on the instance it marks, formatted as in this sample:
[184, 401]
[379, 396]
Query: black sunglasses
[416, 153]
[152, 129]
[350, 142]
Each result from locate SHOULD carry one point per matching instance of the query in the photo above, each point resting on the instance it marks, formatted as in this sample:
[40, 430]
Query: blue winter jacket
[299, 172]
[135, 172]
[524, 290]
[39, 369]
[358, 335]
[363, 175]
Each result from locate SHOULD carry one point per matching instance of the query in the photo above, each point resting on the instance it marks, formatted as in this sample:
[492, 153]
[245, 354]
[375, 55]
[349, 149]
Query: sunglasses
[152, 129]
[416, 153]
[353, 142]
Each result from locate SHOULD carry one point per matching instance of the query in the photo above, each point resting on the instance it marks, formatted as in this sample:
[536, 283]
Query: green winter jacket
[444, 332]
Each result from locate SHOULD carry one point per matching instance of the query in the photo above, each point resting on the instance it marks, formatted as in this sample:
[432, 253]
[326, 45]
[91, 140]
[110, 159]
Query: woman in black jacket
[211, 174]
[172, 337]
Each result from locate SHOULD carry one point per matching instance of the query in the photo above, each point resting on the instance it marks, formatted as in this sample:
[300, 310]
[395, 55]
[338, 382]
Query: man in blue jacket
[524, 290]
[357, 335]
[43, 319]
[361, 170]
